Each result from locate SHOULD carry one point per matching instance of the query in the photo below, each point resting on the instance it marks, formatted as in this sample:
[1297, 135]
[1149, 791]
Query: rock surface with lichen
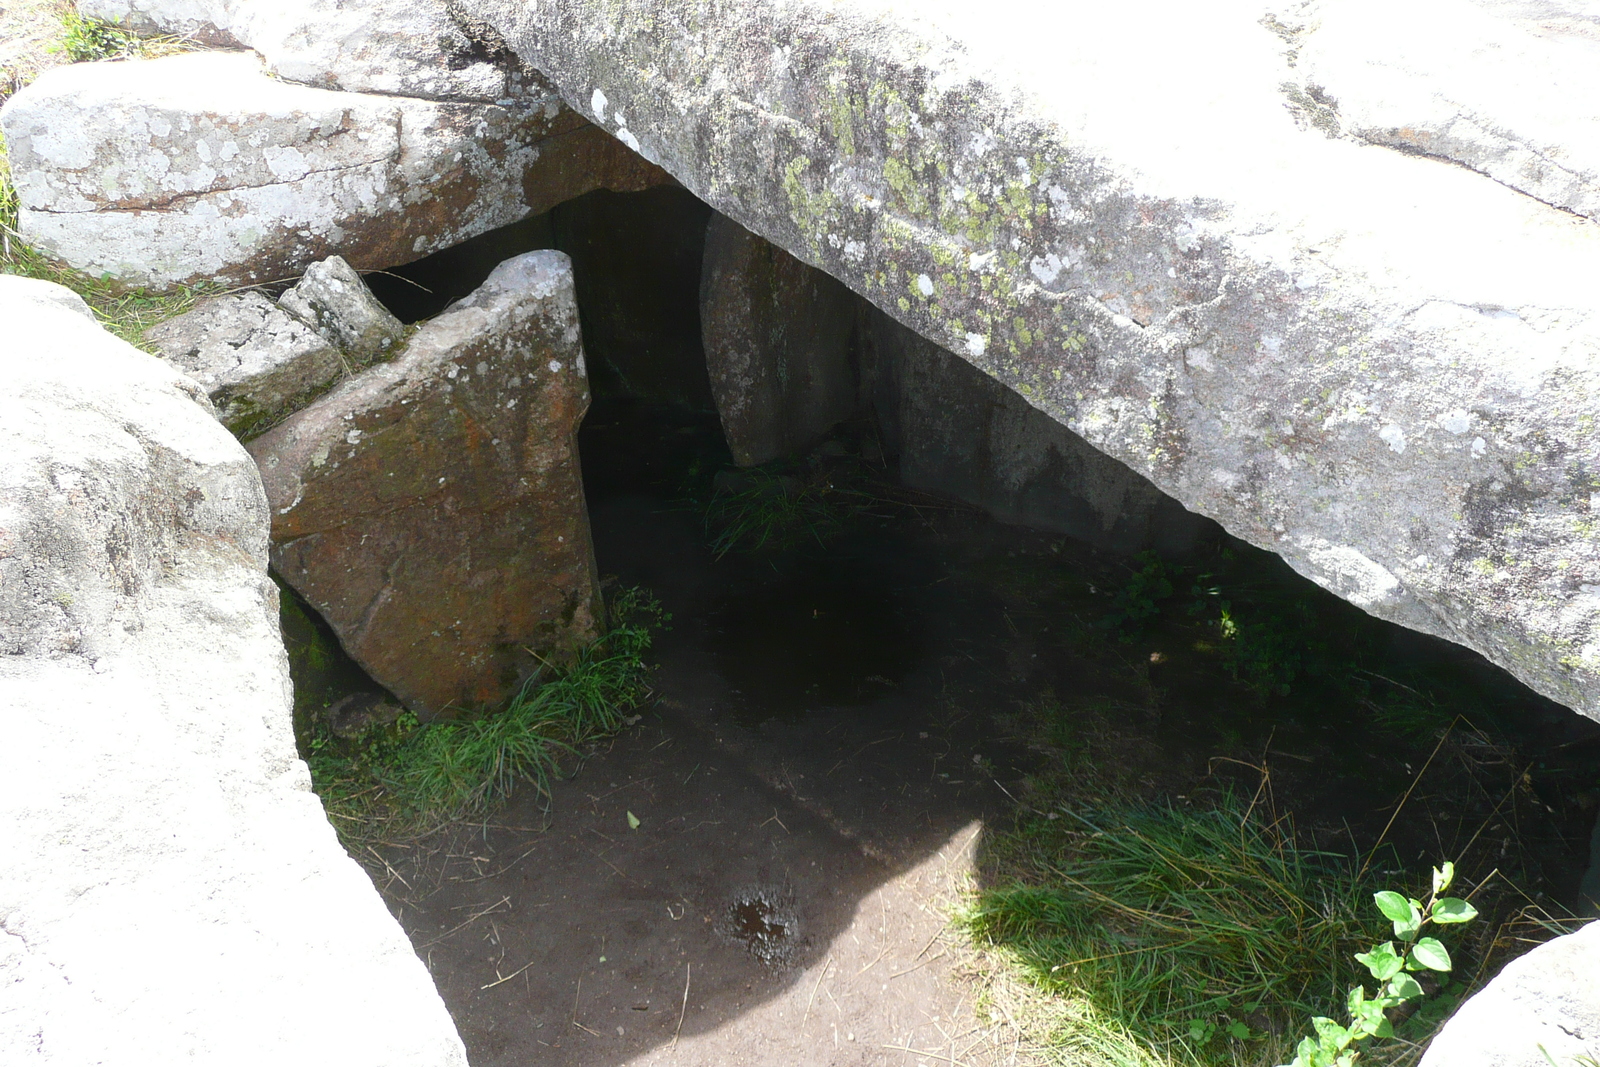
[203, 168]
[1382, 366]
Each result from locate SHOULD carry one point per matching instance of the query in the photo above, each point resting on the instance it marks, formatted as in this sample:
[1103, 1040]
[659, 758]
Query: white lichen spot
[1199, 359]
[555, 365]
[855, 251]
[451, 371]
[597, 104]
[1479, 447]
[483, 368]
[353, 437]
[1394, 437]
[1455, 422]
[925, 286]
[511, 403]
[320, 456]
[982, 260]
[1225, 479]
[1046, 268]
[977, 344]
[628, 139]
[1271, 343]
[1594, 503]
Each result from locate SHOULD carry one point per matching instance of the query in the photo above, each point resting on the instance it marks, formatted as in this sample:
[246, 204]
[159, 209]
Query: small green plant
[1140, 599]
[1395, 969]
[86, 40]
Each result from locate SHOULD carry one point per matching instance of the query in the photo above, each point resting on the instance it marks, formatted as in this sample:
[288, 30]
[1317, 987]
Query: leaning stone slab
[432, 508]
[201, 167]
[256, 362]
[333, 299]
[1384, 367]
[1543, 1008]
[171, 890]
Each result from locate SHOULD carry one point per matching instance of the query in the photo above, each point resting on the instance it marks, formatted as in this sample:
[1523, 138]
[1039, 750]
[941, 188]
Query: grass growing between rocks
[407, 779]
[1138, 912]
[1195, 936]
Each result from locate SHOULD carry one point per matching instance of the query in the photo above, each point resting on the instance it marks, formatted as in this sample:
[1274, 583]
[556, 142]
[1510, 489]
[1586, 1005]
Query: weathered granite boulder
[333, 299]
[256, 362]
[201, 167]
[418, 48]
[171, 888]
[1542, 1009]
[1384, 367]
[1510, 88]
[431, 509]
[777, 337]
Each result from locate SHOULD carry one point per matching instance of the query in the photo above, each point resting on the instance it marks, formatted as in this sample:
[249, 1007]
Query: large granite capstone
[1382, 366]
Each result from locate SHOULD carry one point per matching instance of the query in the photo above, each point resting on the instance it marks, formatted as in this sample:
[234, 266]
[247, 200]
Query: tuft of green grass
[411, 777]
[1183, 936]
[763, 509]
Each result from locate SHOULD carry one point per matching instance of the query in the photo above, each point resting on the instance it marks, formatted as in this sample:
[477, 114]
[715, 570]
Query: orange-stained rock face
[432, 507]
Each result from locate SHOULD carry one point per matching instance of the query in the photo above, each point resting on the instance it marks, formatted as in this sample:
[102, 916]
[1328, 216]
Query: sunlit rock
[171, 887]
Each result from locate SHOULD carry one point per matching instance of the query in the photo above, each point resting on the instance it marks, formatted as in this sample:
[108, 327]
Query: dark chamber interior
[948, 660]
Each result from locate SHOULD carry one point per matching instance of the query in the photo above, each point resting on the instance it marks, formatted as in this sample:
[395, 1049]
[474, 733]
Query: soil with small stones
[760, 869]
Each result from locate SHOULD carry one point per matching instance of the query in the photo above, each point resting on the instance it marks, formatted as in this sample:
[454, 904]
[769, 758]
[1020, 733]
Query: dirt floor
[837, 732]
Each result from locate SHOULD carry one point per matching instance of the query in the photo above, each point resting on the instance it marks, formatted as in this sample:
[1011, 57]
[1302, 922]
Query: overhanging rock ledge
[1383, 367]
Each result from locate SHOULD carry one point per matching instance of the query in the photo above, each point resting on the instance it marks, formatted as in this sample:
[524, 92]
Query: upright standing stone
[432, 507]
[777, 340]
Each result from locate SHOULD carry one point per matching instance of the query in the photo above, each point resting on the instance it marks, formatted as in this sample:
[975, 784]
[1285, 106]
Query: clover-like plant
[1336, 1045]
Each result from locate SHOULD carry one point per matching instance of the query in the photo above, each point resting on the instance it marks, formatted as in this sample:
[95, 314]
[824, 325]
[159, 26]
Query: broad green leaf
[1238, 1031]
[1383, 962]
[1395, 907]
[1330, 1035]
[1404, 987]
[1407, 931]
[633, 821]
[1431, 954]
[1453, 910]
[1443, 876]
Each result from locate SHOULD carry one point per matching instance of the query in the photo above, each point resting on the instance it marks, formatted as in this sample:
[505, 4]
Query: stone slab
[777, 337]
[172, 891]
[203, 168]
[431, 508]
[1543, 1008]
[256, 362]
